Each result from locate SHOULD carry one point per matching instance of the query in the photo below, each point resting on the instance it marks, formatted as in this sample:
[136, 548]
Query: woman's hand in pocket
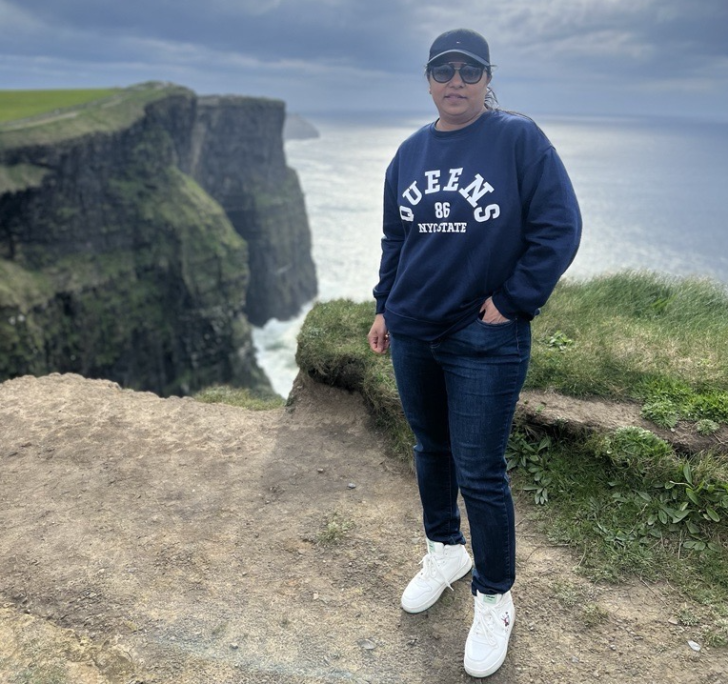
[489, 313]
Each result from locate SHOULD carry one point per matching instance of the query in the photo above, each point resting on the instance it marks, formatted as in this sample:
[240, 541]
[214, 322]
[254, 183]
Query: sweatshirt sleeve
[551, 233]
[392, 242]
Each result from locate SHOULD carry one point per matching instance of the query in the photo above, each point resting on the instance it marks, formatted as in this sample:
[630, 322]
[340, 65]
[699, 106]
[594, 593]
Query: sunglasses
[469, 73]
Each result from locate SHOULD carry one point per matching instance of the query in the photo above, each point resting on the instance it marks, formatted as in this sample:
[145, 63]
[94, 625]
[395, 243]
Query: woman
[480, 222]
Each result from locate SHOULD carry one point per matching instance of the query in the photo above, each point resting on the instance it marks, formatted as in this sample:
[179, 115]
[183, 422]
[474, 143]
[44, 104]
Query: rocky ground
[167, 541]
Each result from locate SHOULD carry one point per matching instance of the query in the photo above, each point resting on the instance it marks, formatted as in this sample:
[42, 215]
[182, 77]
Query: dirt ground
[167, 541]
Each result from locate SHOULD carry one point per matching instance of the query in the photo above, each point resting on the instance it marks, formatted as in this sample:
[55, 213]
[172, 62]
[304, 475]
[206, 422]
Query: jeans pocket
[504, 324]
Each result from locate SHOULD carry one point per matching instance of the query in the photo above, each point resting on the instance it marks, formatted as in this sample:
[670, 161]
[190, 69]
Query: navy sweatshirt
[485, 210]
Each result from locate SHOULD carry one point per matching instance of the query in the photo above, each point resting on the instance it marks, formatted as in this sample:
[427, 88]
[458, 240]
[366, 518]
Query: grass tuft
[334, 531]
[240, 397]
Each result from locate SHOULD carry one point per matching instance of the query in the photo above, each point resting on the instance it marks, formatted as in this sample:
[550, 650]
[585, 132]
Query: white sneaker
[487, 644]
[443, 565]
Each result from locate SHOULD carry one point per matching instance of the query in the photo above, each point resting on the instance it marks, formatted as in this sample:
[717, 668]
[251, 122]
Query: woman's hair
[491, 101]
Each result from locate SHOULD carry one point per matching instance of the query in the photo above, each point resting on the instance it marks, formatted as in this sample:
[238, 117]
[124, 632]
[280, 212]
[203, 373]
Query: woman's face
[458, 103]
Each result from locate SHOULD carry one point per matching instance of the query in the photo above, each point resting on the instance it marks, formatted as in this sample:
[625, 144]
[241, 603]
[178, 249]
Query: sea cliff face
[261, 197]
[140, 236]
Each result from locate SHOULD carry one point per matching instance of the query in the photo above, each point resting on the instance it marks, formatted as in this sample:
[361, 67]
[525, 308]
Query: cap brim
[480, 60]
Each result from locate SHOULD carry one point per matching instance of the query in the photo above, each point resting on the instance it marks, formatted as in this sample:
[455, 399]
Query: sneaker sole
[421, 609]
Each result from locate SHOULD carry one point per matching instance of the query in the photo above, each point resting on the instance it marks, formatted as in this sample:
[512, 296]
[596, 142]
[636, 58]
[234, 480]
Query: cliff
[140, 235]
[262, 198]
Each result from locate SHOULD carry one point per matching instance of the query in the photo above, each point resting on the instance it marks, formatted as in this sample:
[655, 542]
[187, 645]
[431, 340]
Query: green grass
[21, 104]
[637, 337]
[240, 397]
[626, 500]
[20, 287]
[21, 177]
[624, 503]
[633, 337]
[117, 110]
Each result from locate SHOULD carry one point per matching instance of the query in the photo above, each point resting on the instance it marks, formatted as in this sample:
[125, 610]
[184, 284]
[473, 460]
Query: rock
[238, 158]
[298, 128]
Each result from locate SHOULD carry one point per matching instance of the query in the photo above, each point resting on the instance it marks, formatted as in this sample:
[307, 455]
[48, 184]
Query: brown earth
[168, 541]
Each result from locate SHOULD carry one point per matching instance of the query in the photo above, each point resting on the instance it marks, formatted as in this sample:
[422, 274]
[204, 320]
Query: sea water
[652, 194]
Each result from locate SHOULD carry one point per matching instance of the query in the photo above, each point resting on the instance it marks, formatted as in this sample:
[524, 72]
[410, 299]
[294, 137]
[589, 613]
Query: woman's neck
[441, 125]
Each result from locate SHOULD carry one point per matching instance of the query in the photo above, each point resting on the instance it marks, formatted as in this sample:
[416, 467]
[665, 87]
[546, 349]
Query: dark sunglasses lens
[442, 73]
[470, 73]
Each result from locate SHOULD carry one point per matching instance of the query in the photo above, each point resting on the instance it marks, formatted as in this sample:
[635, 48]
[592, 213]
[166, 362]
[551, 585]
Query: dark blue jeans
[459, 395]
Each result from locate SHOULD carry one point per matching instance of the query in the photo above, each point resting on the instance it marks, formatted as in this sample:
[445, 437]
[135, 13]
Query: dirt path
[168, 541]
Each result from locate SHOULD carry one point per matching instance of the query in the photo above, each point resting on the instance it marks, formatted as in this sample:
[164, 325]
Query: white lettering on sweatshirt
[443, 227]
[473, 193]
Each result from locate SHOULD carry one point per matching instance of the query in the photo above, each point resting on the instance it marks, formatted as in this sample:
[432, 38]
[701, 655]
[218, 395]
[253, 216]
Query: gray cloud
[583, 54]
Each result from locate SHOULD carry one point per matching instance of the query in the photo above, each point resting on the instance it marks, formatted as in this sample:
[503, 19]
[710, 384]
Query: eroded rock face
[142, 253]
[237, 157]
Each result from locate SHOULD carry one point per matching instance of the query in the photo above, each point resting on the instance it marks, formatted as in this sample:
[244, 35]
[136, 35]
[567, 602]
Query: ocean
[652, 194]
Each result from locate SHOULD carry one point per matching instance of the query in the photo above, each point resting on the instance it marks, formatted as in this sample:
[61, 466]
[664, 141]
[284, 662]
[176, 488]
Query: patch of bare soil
[167, 541]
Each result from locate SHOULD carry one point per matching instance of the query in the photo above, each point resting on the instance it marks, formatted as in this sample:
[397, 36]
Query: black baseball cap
[463, 42]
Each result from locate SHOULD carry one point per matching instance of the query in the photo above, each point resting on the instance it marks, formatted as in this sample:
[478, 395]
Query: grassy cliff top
[23, 104]
[52, 116]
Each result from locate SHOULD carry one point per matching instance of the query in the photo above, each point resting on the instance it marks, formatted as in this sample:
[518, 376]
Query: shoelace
[485, 622]
[431, 569]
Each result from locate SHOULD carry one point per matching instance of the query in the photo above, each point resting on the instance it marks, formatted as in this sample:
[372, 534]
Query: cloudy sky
[610, 57]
